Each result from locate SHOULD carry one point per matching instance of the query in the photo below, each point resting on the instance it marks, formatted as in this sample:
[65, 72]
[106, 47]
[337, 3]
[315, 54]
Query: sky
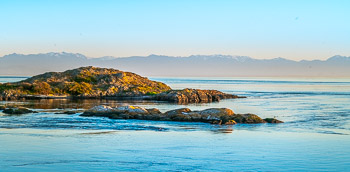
[262, 29]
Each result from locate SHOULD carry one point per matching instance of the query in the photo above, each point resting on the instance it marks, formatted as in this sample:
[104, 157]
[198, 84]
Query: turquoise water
[314, 137]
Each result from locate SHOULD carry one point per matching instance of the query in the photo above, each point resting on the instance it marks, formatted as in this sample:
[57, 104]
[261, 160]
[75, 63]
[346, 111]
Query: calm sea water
[314, 137]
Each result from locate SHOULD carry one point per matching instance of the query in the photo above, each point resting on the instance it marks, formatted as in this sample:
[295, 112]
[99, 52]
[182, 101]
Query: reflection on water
[100, 132]
[224, 130]
[71, 103]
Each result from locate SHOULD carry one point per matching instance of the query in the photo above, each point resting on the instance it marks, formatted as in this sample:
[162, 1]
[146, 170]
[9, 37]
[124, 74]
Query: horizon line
[88, 57]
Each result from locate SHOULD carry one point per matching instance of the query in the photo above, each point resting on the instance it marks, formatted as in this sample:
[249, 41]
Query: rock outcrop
[186, 96]
[212, 115]
[93, 82]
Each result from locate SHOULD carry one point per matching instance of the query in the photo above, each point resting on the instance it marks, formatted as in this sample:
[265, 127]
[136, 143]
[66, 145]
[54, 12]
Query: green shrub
[85, 77]
[76, 88]
[151, 93]
[42, 88]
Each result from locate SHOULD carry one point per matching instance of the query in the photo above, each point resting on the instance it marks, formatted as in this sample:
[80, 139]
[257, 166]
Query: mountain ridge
[58, 54]
[162, 65]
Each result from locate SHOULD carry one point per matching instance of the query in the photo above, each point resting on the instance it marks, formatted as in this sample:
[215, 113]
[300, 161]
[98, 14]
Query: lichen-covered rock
[153, 111]
[217, 115]
[195, 116]
[132, 109]
[122, 112]
[101, 109]
[178, 111]
[248, 118]
[217, 112]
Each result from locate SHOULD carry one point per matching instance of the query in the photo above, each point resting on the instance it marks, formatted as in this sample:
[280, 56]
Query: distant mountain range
[157, 65]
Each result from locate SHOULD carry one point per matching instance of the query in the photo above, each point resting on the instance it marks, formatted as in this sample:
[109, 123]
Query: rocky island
[94, 82]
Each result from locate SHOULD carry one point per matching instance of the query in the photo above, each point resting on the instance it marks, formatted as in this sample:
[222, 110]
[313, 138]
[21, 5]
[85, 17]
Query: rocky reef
[94, 82]
[218, 116]
[212, 115]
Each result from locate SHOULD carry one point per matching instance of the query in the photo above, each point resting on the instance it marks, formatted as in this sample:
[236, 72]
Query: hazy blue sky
[304, 29]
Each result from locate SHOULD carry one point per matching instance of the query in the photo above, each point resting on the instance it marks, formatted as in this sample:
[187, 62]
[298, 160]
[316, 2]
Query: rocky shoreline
[219, 116]
[184, 96]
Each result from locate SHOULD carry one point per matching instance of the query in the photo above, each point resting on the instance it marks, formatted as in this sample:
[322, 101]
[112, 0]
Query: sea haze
[195, 65]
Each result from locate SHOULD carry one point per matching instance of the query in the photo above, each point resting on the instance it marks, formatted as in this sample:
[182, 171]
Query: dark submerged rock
[18, 111]
[273, 120]
[67, 112]
[2, 107]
